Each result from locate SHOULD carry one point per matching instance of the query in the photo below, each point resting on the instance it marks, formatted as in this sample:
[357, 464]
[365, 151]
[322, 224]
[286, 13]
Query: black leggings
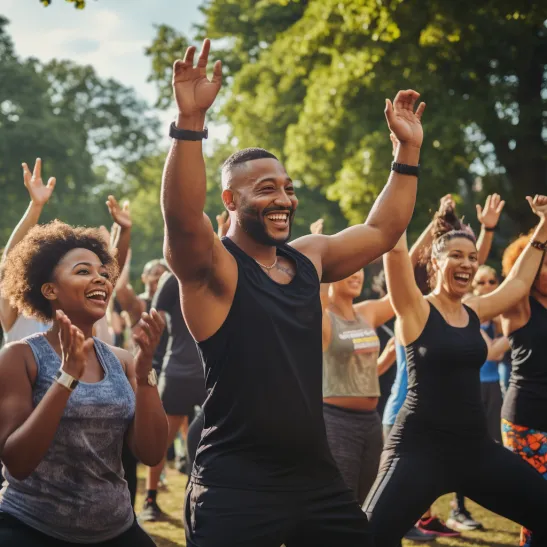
[14, 532]
[409, 482]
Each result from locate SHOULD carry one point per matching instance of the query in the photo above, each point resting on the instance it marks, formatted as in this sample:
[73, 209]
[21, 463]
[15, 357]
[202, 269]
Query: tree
[83, 127]
[308, 78]
[78, 4]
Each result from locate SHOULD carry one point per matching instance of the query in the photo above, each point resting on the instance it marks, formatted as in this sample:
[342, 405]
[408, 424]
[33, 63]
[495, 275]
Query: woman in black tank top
[524, 413]
[440, 441]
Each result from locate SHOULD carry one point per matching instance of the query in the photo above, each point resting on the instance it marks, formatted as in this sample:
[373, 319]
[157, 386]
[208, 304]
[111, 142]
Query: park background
[85, 85]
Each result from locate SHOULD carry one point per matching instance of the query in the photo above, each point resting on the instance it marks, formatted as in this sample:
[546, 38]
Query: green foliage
[308, 79]
[78, 123]
[78, 4]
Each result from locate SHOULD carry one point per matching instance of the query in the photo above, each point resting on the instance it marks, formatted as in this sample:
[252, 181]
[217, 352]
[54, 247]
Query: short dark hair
[240, 157]
[31, 262]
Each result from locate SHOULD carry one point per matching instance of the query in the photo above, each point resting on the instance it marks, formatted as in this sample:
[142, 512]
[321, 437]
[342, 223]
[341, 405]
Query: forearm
[324, 295]
[498, 348]
[29, 219]
[184, 182]
[393, 208]
[149, 427]
[426, 237]
[123, 244]
[385, 361]
[27, 445]
[524, 271]
[129, 302]
[484, 244]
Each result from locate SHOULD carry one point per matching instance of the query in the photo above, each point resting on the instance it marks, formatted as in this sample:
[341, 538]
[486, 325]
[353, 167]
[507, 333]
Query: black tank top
[264, 425]
[526, 400]
[444, 391]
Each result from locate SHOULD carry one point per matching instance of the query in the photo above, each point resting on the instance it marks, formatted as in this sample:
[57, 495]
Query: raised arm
[408, 302]
[188, 230]
[489, 218]
[521, 277]
[343, 254]
[39, 196]
[122, 217]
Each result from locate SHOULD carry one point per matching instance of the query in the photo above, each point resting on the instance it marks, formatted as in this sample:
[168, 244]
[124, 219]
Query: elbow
[18, 471]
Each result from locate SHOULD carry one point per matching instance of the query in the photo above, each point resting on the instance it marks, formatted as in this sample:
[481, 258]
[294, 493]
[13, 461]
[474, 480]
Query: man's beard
[252, 224]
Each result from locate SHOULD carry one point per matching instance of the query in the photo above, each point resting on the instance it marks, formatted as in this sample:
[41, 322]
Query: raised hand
[447, 202]
[394, 143]
[403, 122]
[74, 347]
[223, 223]
[147, 337]
[194, 92]
[317, 226]
[120, 215]
[490, 215]
[538, 205]
[39, 192]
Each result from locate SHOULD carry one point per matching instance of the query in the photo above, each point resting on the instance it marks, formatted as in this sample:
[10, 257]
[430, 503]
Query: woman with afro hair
[524, 411]
[68, 400]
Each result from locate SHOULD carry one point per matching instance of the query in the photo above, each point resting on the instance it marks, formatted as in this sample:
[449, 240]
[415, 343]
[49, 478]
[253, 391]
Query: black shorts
[229, 517]
[180, 395]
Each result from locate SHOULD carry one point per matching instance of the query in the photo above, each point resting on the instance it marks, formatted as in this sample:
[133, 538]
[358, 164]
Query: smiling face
[456, 267]
[262, 196]
[80, 287]
[351, 286]
[485, 281]
[151, 278]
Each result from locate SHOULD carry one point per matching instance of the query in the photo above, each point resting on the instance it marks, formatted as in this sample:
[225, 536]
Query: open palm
[538, 205]
[194, 92]
[403, 122]
[39, 192]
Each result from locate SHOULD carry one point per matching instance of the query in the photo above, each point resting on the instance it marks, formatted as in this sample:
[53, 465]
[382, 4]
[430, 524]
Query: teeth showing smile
[96, 295]
[462, 277]
[278, 216]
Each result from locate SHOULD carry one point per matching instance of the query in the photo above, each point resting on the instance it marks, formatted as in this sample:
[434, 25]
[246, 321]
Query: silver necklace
[268, 268]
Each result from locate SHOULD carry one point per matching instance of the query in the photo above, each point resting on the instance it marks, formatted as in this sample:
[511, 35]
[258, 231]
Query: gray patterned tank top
[78, 492]
[350, 363]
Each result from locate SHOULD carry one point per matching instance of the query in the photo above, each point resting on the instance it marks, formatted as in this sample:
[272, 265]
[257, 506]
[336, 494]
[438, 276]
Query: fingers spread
[217, 73]
[51, 183]
[189, 56]
[37, 168]
[204, 53]
[420, 110]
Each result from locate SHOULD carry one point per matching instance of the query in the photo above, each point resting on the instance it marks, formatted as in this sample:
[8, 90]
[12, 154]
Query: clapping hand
[490, 215]
[194, 92]
[147, 337]
[39, 192]
[317, 226]
[403, 122]
[74, 347]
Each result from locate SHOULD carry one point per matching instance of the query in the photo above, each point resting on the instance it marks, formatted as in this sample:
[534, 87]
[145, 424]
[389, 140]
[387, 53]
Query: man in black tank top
[263, 474]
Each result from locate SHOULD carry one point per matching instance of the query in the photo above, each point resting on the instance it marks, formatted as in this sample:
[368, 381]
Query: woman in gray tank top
[68, 400]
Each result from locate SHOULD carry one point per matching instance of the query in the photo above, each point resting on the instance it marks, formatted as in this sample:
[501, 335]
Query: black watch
[186, 134]
[405, 169]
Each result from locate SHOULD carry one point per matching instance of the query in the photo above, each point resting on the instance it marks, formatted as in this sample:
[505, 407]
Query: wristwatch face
[152, 378]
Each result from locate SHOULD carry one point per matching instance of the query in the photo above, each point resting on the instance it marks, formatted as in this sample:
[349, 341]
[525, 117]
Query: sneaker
[437, 527]
[463, 521]
[415, 534]
[151, 512]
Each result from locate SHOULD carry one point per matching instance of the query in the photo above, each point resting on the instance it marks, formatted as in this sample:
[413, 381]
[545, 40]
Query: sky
[110, 35]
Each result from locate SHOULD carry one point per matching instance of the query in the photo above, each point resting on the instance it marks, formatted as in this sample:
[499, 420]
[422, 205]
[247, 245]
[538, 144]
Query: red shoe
[437, 527]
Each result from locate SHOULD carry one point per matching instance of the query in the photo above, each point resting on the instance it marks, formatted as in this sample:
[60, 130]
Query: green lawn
[499, 532]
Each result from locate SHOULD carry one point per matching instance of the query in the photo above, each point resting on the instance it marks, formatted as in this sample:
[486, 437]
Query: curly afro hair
[513, 251]
[32, 261]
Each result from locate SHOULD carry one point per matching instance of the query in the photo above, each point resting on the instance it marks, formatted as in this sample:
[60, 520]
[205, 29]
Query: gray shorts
[180, 395]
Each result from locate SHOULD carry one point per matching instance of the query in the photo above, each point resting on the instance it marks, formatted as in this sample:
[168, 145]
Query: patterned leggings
[531, 446]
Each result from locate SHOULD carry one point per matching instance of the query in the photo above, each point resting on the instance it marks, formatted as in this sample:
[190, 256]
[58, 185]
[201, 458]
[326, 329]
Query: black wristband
[538, 245]
[486, 229]
[186, 134]
[404, 169]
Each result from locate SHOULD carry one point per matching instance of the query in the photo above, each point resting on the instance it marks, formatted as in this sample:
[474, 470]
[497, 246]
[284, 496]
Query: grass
[499, 532]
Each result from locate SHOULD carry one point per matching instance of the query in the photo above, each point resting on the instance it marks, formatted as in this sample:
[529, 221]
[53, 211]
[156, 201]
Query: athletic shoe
[415, 534]
[437, 527]
[463, 521]
[151, 512]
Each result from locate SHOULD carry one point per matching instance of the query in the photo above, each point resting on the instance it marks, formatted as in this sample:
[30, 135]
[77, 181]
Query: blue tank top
[78, 492]
[489, 371]
[399, 388]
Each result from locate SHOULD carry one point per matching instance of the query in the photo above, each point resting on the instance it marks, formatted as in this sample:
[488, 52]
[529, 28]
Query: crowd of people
[258, 355]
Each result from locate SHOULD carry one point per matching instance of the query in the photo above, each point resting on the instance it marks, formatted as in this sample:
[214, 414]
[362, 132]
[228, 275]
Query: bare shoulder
[313, 246]
[17, 356]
